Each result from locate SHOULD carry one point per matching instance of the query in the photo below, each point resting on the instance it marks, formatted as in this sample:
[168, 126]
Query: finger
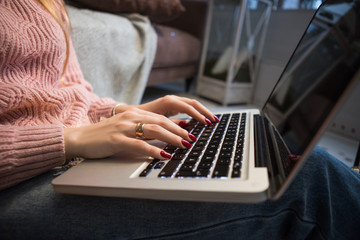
[170, 126]
[191, 107]
[143, 148]
[201, 108]
[183, 123]
[184, 107]
[157, 132]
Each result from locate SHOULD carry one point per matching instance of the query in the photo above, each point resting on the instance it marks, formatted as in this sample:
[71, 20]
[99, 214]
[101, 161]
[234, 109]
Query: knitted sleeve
[27, 151]
[36, 98]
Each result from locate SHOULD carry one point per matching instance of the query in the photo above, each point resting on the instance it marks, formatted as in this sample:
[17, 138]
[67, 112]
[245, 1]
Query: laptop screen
[325, 60]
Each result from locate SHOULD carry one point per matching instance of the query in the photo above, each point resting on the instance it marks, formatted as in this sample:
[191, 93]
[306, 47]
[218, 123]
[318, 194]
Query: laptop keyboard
[217, 153]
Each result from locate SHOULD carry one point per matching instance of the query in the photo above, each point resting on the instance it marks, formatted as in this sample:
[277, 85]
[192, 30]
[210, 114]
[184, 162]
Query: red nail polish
[208, 122]
[293, 157]
[183, 124]
[192, 137]
[216, 119]
[165, 154]
[186, 143]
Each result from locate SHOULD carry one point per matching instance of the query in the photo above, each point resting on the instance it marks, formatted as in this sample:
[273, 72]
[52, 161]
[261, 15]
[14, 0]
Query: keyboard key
[237, 165]
[236, 173]
[211, 151]
[169, 169]
[206, 134]
[227, 148]
[224, 154]
[194, 153]
[208, 130]
[207, 158]
[178, 156]
[223, 161]
[185, 174]
[198, 148]
[153, 163]
[191, 160]
[201, 143]
[196, 133]
[181, 151]
[145, 172]
[220, 171]
[213, 146]
[228, 144]
[186, 167]
[202, 173]
[238, 158]
[216, 137]
[159, 165]
[214, 143]
[203, 138]
[204, 165]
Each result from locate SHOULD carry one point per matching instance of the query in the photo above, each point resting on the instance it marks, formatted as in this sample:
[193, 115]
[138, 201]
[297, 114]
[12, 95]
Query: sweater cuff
[34, 142]
[27, 151]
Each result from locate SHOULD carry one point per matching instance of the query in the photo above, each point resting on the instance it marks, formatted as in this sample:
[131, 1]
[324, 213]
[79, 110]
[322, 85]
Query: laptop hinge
[265, 153]
[260, 143]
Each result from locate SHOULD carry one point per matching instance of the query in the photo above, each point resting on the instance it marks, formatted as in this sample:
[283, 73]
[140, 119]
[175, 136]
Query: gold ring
[139, 130]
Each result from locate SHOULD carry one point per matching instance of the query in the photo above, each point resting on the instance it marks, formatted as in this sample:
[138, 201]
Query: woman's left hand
[172, 105]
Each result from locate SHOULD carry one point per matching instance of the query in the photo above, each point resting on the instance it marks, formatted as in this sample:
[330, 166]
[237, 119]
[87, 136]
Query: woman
[43, 92]
[49, 114]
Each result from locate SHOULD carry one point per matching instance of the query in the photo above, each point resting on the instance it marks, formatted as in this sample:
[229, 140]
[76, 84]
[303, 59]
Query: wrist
[70, 140]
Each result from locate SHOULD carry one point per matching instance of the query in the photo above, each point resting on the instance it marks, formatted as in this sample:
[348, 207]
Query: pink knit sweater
[35, 102]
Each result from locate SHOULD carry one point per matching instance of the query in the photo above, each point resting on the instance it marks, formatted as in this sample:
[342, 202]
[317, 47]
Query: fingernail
[183, 124]
[192, 137]
[216, 119]
[186, 143]
[293, 157]
[208, 122]
[165, 154]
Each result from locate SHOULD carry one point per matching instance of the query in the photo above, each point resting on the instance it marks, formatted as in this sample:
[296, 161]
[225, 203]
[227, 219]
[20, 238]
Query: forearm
[29, 151]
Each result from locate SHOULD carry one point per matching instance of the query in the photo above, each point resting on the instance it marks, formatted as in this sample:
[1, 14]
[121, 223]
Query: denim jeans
[323, 202]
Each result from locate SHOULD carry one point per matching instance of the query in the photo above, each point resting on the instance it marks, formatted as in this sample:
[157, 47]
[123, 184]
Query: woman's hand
[172, 105]
[117, 133]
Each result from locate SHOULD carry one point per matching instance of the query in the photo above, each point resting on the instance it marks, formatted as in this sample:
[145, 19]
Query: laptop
[251, 155]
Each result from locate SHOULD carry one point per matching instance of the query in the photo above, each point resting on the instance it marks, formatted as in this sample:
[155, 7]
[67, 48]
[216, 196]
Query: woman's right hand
[117, 134]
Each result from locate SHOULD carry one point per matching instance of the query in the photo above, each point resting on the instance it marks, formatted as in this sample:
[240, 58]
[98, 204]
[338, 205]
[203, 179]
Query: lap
[307, 208]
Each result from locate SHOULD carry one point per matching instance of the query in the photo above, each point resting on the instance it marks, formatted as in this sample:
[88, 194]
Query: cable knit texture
[36, 99]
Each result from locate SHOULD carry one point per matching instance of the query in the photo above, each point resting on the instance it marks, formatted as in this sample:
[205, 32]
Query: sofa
[179, 45]
[125, 45]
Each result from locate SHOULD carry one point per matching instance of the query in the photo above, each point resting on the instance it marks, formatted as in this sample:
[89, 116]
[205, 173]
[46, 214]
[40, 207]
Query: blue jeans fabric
[323, 202]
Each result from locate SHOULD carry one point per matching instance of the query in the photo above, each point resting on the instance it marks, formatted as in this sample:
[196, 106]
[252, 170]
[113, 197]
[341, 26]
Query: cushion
[158, 11]
[175, 47]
